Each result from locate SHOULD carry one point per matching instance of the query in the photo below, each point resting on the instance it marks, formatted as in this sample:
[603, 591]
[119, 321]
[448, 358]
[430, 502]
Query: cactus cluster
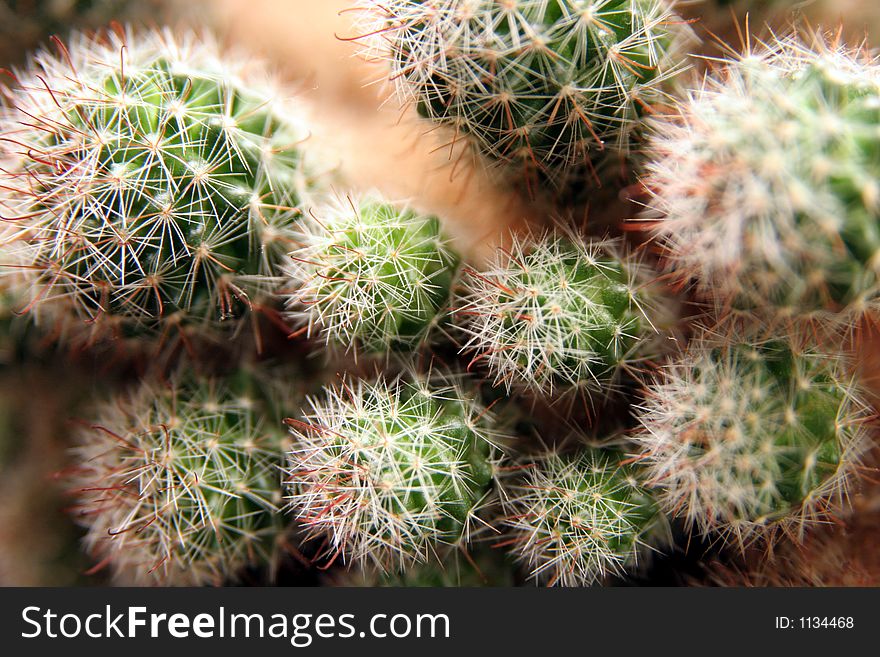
[744, 437]
[390, 471]
[766, 183]
[556, 313]
[370, 273]
[763, 197]
[154, 188]
[178, 483]
[154, 184]
[539, 85]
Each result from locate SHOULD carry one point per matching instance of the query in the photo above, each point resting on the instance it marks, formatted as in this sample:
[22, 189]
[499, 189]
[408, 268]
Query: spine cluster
[152, 184]
[574, 519]
[179, 483]
[539, 85]
[370, 273]
[746, 438]
[391, 471]
[559, 313]
[765, 183]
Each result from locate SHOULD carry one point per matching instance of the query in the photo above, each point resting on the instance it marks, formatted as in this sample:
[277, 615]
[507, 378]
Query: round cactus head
[766, 183]
[370, 273]
[746, 438]
[574, 519]
[557, 313]
[389, 471]
[151, 182]
[180, 484]
[543, 85]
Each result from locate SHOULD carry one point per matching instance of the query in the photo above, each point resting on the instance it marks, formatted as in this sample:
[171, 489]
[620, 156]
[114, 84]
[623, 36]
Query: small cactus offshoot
[150, 181]
[745, 439]
[391, 471]
[370, 274]
[542, 85]
[574, 519]
[766, 182]
[556, 314]
[180, 484]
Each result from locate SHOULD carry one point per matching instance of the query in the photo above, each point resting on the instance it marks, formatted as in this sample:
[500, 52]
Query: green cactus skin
[766, 185]
[151, 185]
[750, 439]
[371, 274]
[556, 313]
[179, 484]
[541, 85]
[575, 519]
[391, 471]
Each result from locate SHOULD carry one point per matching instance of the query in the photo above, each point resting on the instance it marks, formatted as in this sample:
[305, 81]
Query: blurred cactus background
[439, 292]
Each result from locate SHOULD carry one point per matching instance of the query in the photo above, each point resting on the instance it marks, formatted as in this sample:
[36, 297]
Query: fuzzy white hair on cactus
[747, 439]
[179, 483]
[558, 313]
[576, 518]
[389, 471]
[369, 273]
[540, 85]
